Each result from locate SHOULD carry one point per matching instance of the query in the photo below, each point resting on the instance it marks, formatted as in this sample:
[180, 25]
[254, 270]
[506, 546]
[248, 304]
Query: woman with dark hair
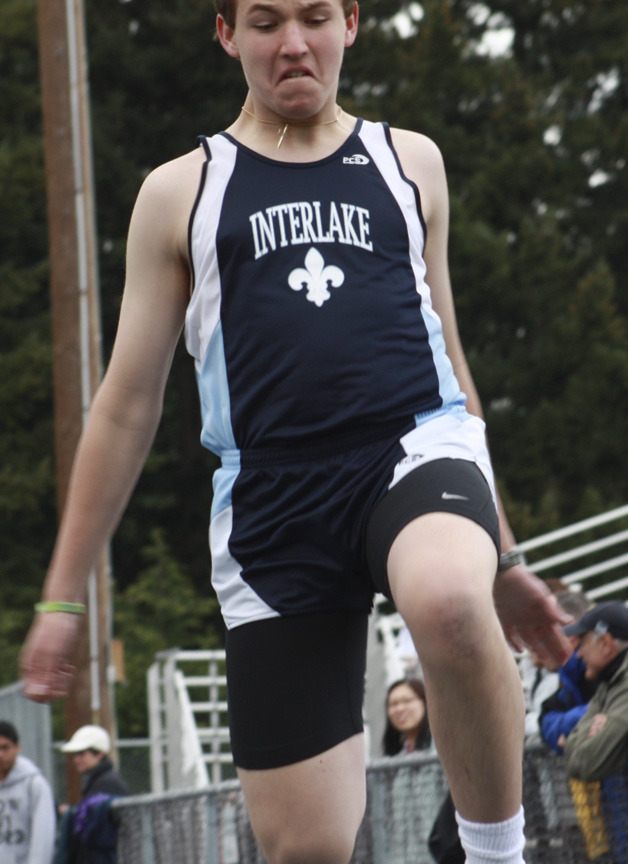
[417, 791]
[407, 725]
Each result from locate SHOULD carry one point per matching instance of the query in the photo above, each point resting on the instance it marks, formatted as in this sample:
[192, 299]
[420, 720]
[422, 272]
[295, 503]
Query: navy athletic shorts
[307, 546]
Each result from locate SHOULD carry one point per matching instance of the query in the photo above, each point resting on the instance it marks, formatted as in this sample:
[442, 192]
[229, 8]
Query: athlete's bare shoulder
[422, 162]
[167, 196]
[180, 167]
[176, 178]
[415, 141]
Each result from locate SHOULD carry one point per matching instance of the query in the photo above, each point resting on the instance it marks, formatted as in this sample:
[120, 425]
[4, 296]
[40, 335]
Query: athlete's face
[291, 52]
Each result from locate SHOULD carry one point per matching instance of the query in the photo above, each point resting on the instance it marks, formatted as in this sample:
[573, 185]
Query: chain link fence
[565, 823]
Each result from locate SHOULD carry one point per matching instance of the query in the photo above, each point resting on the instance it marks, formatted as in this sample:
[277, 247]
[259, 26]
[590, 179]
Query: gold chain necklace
[282, 130]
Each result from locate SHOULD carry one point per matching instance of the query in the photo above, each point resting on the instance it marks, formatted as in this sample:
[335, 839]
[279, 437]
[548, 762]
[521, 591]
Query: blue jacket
[561, 712]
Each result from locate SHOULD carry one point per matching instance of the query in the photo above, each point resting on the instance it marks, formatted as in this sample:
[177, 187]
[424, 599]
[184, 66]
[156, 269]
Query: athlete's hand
[530, 615]
[46, 659]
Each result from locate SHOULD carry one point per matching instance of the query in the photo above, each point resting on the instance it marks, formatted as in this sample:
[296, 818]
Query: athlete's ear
[226, 37]
[352, 26]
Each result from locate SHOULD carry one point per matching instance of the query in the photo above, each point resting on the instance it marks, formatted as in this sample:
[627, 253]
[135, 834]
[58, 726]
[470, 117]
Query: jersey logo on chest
[316, 277]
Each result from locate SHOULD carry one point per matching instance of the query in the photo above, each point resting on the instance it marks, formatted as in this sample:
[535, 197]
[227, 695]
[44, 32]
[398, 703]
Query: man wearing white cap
[89, 747]
[88, 832]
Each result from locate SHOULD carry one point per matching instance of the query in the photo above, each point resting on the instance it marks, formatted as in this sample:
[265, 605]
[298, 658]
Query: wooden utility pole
[75, 316]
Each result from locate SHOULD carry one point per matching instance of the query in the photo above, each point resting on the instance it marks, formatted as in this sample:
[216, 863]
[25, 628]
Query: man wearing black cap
[598, 746]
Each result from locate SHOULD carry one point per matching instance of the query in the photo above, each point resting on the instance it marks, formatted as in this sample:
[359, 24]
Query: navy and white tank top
[310, 315]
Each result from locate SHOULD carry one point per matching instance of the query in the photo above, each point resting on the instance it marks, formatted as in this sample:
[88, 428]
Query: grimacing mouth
[296, 73]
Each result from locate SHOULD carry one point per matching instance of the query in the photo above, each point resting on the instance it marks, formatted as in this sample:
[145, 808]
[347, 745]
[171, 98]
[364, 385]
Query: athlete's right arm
[528, 612]
[123, 418]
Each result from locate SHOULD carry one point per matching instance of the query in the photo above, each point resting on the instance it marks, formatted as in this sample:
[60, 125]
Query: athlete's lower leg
[441, 572]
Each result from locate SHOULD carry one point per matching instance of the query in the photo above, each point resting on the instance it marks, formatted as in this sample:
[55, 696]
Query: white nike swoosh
[451, 496]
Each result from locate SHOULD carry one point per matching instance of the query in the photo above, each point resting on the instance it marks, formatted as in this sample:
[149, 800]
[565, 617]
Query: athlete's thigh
[314, 806]
[441, 555]
[295, 686]
[436, 524]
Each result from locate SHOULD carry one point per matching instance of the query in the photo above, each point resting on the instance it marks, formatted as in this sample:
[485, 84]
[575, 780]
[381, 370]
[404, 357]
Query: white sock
[493, 842]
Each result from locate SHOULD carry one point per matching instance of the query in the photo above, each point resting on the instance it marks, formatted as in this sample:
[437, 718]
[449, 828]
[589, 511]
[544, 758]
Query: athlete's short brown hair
[227, 8]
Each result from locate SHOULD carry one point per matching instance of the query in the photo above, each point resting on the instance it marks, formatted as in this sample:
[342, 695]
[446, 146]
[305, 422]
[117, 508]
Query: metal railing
[187, 709]
[560, 563]
[210, 826]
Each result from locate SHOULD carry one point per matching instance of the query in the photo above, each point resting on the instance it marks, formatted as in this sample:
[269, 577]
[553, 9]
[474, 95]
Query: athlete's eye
[263, 23]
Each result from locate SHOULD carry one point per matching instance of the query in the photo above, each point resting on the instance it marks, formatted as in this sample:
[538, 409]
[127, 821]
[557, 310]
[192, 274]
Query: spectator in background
[27, 815]
[559, 714]
[539, 682]
[597, 747]
[564, 708]
[88, 833]
[89, 748]
[541, 679]
[407, 725]
[416, 794]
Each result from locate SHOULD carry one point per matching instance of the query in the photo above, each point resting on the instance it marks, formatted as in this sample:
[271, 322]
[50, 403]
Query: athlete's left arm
[528, 613]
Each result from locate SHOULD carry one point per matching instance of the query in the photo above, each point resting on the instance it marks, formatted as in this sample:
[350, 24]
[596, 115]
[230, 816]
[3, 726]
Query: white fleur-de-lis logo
[316, 277]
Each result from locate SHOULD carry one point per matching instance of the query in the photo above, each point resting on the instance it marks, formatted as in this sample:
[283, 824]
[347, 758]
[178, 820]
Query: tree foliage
[161, 602]
[26, 481]
[535, 139]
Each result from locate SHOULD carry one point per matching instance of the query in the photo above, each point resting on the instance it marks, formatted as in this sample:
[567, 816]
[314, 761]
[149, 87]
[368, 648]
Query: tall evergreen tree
[26, 479]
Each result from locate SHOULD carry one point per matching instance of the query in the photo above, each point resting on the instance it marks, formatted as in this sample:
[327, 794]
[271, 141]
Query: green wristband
[60, 606]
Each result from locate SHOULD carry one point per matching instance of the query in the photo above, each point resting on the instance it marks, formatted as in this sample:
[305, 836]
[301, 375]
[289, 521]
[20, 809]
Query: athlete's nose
[293, 42]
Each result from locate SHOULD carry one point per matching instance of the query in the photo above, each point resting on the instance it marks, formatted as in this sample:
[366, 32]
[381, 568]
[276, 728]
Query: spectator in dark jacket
[88, 834]
[597, 748]
[89, 748]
